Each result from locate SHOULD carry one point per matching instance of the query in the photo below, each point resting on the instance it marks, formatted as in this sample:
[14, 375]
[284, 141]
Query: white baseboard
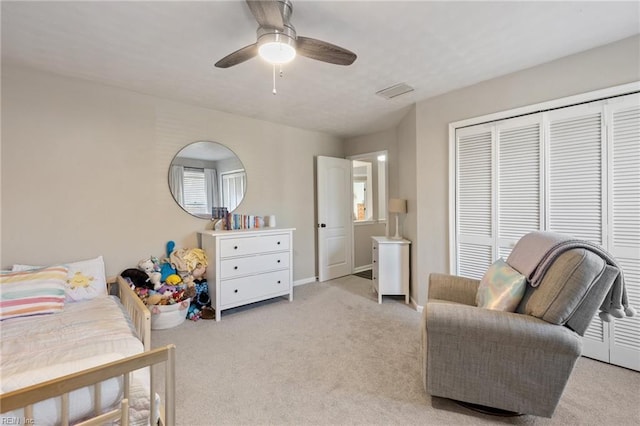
[362, 268]
[305, 281]
[417, 307]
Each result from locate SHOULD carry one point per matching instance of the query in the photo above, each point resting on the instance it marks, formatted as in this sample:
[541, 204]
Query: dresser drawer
[242, 290]
[242, 246]
[235, 267]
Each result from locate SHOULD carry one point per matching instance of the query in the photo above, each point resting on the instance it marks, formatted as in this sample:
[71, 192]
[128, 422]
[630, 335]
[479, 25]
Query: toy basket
[168, 316]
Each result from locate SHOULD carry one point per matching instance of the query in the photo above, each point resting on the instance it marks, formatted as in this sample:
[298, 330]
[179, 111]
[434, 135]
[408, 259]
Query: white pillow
[86, 279]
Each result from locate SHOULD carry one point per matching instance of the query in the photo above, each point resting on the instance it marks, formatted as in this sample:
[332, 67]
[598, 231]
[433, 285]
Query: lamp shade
[397, 205]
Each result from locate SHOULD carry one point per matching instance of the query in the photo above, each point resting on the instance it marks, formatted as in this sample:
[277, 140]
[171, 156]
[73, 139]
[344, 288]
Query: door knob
[322, 225]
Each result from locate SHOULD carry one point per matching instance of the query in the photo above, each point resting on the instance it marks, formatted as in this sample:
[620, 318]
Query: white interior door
[335, 224]
[573, 170]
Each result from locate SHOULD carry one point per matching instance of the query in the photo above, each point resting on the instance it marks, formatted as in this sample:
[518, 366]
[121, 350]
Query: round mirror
[206, 176]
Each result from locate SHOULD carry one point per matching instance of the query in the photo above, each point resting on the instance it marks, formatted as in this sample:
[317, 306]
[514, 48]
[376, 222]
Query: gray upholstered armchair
[519, 361]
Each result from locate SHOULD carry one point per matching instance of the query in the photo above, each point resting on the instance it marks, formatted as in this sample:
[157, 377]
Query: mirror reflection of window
[362, 194]
[232, 188]
[382, 186]
[369, 176]
[359, 190]
[194, 192]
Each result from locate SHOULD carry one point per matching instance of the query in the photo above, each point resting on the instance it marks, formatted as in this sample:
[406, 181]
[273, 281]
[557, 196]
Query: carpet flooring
[334, 356]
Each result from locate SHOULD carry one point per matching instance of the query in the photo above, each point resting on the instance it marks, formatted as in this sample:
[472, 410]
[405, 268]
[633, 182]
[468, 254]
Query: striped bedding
[84, 335]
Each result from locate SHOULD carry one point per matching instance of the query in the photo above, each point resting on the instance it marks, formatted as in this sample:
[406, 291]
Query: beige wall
[610, 65]
[407, 189]
[84, 172]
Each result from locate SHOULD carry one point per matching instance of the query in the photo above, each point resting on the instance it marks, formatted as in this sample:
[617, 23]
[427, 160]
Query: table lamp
[397, 206]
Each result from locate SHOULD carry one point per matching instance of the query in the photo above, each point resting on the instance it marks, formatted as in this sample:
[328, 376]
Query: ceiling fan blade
[323, 51]
[267, 13]
[238, 56]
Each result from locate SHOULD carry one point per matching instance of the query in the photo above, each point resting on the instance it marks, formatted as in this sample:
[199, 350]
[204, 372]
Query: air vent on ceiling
[396, 90]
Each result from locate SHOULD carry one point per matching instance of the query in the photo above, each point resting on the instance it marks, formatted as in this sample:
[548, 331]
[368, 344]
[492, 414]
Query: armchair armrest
[453, 288]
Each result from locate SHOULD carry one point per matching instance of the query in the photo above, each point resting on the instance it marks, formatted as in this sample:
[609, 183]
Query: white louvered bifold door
[518, 143]
[623, 117]
[474, 233]
[575, 176]
[575, 190]
[573, 170]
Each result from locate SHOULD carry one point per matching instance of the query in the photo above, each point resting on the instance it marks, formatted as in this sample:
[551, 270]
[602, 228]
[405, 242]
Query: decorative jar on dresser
[390, 267]
[248, 266]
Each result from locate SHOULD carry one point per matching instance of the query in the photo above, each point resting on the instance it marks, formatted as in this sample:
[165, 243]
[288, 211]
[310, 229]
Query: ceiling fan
[278, 41]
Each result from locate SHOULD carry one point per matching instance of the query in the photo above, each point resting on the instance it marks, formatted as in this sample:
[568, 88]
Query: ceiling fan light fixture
[276, 47]
[277, 52]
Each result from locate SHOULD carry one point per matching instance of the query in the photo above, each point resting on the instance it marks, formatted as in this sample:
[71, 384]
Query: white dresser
[390, 267]
[247, 266]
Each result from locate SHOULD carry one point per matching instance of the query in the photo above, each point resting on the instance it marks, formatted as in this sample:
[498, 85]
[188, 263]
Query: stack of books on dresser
[243, 221]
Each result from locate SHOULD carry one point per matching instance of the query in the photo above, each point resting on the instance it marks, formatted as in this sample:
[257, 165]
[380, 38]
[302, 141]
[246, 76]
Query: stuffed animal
[199, 271]
[195, 258]
[166, 267]
[173, 279]
[143, 294]
[191, 264]
[152, 267]
[178, 262]
[166, 289]
[188, 281]
[138, 278]
[190, 292]
[154, 299]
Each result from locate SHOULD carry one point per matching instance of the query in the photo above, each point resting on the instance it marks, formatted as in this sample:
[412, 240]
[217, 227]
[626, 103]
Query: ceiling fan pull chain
[274, 79]
[281, 73]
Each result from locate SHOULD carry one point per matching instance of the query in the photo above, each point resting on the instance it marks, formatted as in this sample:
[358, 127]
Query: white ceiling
[168, 49]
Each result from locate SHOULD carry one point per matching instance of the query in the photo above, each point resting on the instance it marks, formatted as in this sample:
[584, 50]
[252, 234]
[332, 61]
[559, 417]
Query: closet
[572, 169]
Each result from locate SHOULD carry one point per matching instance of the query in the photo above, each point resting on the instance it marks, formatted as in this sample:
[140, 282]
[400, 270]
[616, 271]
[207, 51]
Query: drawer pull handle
[235, 247]
[374, 261]
[235, 267]
[278, 281]
[278, 242]
[278, 260]
[235, 291]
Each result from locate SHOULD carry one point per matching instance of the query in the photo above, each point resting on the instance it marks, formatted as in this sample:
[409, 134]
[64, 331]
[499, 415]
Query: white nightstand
[390, 267]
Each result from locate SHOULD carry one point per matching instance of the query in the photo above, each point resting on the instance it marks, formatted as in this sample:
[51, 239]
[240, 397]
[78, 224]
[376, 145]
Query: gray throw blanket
[535, 253]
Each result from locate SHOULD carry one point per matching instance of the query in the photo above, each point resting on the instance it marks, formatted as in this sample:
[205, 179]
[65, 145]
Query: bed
[88, 363]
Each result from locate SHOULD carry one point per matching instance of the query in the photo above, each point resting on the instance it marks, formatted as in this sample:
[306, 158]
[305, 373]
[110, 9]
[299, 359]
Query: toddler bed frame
[140, 316]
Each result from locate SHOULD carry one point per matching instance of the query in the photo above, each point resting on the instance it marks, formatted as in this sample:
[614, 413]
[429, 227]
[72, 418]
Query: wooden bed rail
[137, 310]
[62, 386]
